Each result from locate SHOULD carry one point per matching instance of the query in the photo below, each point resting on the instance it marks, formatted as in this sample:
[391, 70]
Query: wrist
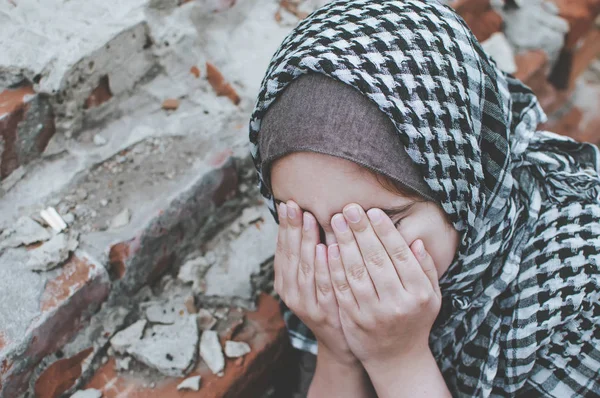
[343, 361]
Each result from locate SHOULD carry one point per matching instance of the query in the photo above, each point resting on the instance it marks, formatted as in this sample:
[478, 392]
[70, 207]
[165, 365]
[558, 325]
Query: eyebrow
[390, 211]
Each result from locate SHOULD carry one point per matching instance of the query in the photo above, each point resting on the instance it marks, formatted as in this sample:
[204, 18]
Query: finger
[427, 265]
[376, 259]
[356, 271]
[292, 249]
[280, 251]
[341, 287]
[411, 275]
[306, 270]
[324, 288]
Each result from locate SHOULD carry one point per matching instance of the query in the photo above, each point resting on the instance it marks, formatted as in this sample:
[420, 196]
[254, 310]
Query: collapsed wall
[135, 250]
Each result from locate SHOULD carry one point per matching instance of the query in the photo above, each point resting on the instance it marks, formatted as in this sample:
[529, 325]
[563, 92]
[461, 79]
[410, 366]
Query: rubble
[206, 320]
[122, 363]
[211, 352]
[52, 253]
[124, 339]
[170, 349]
[53, 219]
[220, 85]
[89, 393]
[193, 271]
[236, 349]
[191, 383]
[170, 104]
[166, 312]
[121, 219]
[99, 140]
[499, 49]
[25, 232]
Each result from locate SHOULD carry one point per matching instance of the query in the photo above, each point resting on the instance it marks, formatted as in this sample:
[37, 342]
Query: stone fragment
[221, 312]
[25, 232]
[499, 49]
[195, 71]
[236, 349]
[99, 140]
[53, 252]
[190, 304]
[89, 393]
[218, 83]
[193, 270]
[211, 352]
[166, 312]
[122, 364]
[124, 339]
[191, 383]
[170, 104]
[121, 219]
[53, 219]
[169, 348]
[206, 320]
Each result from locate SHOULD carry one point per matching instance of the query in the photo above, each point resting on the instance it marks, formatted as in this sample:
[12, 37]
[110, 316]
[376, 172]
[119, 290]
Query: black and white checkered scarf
[521, 300]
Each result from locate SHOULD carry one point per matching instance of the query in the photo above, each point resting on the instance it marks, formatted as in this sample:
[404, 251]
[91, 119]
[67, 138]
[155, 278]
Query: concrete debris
[25, 232]
[89, 393]
[103, 202]
[123, 340]
[236, 349]
[166, 313]
[12, 179]
[53, 219]
[206, 320]
[549, 33]
[121, 219]
[250, 215]
[99, 140]
[169, 348]
[69, 218]
[211, 352]
[191, 383]
[193, 270]
[53, 252]
[122, 364]
[190, 304]
[221, 312]
[499, 49]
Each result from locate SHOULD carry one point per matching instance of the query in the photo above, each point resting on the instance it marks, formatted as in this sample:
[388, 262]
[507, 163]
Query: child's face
[323, 185]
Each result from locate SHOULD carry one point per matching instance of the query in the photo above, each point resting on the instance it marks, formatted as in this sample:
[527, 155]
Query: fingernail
[334, 249]
[283, 210]
[307, 221]
[291, 212]
[353, 214]
[321, 252]
[374, 215]
[420, 248]
[340, 223]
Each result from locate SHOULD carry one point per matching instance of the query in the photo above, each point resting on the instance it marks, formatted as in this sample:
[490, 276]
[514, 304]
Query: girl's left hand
[388, 292]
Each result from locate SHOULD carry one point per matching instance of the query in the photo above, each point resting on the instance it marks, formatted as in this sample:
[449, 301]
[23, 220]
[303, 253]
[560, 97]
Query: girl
[431, 241]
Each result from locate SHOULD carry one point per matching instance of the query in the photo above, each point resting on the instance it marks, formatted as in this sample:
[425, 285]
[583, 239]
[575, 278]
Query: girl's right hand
[302, 280]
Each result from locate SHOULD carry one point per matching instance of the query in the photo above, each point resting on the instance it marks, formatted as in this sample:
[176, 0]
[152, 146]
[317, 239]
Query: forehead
[323, 183]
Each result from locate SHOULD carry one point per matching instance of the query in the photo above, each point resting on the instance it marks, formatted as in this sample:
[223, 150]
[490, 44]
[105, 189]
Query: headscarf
[521, 299]
[334, 119]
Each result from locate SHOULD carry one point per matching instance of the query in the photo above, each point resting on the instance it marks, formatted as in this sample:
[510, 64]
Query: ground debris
[191, 383]
[124, 339]
[25, 232]
[236, 349]
[211, 352]
[53, 252]
[89, 393]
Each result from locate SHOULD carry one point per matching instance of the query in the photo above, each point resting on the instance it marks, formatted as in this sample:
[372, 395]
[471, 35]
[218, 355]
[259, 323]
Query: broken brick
[264, 331]
[218, 83]
[61, 375]
[26, 126]
[100, 95]
[64, 307]
[195, 71]
[170, 104]
[479, 16]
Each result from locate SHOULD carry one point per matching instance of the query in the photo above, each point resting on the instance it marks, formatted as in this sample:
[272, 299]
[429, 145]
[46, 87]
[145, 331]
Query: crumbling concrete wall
[134, 245]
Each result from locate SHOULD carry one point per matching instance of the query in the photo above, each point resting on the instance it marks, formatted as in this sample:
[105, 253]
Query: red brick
[479, 16]
[61, 375]
[100, 95]
[264, 330]
[218, 83]
[580, 14]
[26, 126]
[65, 304]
